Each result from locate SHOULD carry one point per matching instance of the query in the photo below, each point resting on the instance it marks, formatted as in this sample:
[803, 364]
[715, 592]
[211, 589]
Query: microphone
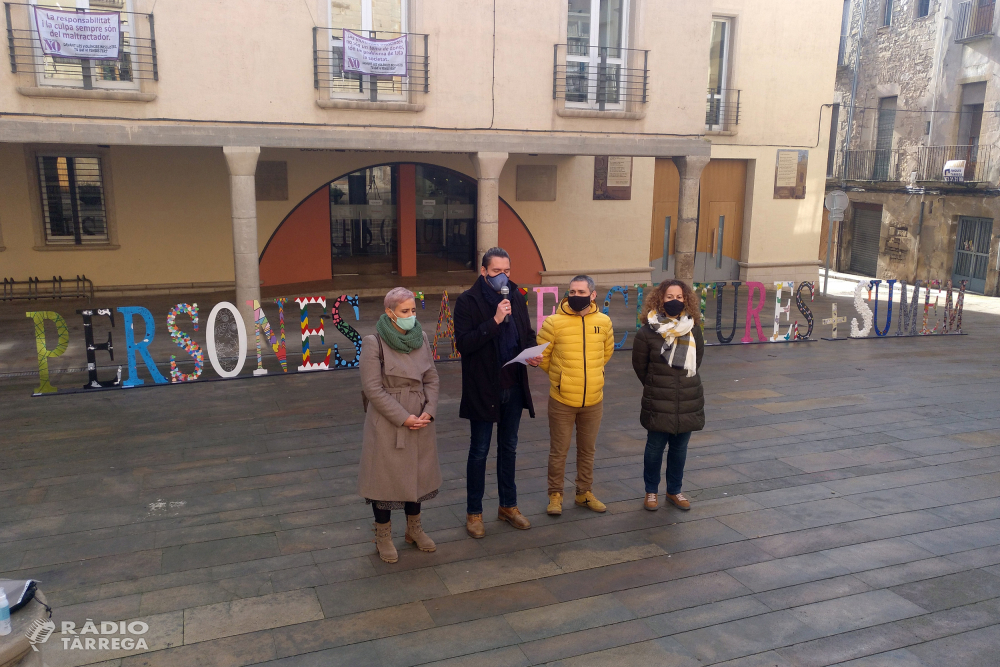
[504, 291]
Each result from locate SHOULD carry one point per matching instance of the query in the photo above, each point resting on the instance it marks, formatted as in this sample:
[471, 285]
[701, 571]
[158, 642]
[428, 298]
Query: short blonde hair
[396, 296]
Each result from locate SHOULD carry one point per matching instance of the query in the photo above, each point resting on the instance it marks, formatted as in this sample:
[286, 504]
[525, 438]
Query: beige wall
[786, 75]
[171, 207]
[576, 233]
[172, 204]
[257, 65]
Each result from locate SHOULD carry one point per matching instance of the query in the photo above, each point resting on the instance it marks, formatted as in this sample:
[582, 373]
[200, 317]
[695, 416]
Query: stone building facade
[916, 83]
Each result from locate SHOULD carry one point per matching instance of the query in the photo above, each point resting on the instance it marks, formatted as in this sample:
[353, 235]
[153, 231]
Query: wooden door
[663, 228]
[723, 197]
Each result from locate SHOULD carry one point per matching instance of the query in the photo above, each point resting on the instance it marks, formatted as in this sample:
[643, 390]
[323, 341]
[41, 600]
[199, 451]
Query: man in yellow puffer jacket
[581, 341]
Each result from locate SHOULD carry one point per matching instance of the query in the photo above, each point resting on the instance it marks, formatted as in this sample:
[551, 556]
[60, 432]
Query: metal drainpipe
[916, 245]
[936, 73]
[854, 82]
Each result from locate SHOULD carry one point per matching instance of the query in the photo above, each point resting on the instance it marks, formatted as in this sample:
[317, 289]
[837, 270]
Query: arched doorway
[398, 223]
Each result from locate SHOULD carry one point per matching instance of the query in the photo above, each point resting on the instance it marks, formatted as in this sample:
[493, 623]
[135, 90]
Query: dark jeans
[653, 459]
[382, 516]
[511, 406]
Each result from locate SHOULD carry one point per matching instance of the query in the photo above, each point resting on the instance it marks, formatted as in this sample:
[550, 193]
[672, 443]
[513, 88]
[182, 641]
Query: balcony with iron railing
[600, 78]
[340, 89]
[872, 166]
[974, 20]
[723, 110]
[978, 168]
[135, 64]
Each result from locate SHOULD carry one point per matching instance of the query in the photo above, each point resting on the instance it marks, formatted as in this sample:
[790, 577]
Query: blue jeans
[511, 406]
[656, 442]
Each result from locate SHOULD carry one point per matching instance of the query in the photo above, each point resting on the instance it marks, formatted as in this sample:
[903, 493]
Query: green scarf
[401, 342]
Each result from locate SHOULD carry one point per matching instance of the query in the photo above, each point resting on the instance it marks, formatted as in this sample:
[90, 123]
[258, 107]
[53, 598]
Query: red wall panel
[299, 250]
[406, 198]
[525, 261]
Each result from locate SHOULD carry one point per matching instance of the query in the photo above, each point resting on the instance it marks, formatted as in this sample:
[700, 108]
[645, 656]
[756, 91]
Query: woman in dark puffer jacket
[666, 356]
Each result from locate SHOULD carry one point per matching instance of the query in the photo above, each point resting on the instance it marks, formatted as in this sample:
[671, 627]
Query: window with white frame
[887, 13]
[79, 73]
[718, 74]
[74, 210]
[596, 56]
[377, 19]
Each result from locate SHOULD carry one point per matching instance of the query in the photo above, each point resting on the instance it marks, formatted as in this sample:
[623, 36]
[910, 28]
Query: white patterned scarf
[676, 334]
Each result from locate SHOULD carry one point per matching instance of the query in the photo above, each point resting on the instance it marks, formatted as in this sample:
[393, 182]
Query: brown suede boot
[415, 534]
[383, 542]
[474, 525]
[513, 516]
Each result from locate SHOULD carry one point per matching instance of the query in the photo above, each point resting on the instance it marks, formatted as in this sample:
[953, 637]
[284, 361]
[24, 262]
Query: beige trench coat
[398, 464]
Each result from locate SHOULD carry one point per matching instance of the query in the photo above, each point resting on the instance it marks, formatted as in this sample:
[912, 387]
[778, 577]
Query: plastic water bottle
[5, 627]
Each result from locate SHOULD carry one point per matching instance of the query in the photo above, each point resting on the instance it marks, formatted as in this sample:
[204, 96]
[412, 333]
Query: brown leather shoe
[474, 525]
[679, 501]
[513, 516]
[650, 502]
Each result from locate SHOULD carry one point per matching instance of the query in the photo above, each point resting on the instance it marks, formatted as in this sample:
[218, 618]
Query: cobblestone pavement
[846, 509]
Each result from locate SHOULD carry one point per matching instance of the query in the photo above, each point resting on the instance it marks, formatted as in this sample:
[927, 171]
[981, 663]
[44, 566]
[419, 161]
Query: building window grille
[374, 19]
[73, 199]
[973, 19]
[136, 60]
[596, 69]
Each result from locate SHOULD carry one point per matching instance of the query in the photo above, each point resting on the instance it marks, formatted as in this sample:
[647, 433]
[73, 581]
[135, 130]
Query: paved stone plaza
[846, 509]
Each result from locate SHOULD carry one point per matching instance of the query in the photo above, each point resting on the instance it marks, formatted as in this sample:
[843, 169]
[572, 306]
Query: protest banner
[86, 35]
[382, 57]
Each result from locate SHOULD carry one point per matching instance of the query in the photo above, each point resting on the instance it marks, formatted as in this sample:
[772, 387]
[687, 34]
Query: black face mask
[578, 303]
[673, 308]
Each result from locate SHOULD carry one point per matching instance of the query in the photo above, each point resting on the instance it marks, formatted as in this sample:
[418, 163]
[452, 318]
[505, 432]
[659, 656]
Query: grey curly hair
[396, 296]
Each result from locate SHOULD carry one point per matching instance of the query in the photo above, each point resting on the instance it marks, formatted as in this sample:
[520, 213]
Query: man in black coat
[490, 330]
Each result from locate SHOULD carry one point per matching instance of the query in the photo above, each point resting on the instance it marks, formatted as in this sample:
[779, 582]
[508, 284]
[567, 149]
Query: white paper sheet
[529, 353]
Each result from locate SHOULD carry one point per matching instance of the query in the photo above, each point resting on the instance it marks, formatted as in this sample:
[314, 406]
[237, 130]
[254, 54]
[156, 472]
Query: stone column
[689, 167]
[242, 161]
[488, 167]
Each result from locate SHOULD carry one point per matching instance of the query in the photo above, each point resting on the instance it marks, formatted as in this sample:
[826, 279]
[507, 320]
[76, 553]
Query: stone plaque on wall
[790, 174]
[612, 177]
[271, 181]
[536, 182]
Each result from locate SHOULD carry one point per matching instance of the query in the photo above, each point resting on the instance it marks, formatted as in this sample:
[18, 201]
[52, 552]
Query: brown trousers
[588, 423]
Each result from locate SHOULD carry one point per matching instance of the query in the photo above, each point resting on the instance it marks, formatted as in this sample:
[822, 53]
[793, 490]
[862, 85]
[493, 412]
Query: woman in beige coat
[399, 461]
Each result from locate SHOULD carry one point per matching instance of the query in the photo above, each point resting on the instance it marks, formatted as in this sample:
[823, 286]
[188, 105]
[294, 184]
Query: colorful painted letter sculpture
[447, 322]
[262, 326]
[350, 333]
[607, 306]
[226, 333]
[183, 341]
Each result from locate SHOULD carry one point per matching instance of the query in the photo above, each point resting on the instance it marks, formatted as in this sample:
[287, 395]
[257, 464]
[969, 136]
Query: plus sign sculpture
[834, 320]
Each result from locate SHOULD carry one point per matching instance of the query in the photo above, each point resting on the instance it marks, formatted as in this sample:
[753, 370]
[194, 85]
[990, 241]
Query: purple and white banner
[382, 57]
[88, 35]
